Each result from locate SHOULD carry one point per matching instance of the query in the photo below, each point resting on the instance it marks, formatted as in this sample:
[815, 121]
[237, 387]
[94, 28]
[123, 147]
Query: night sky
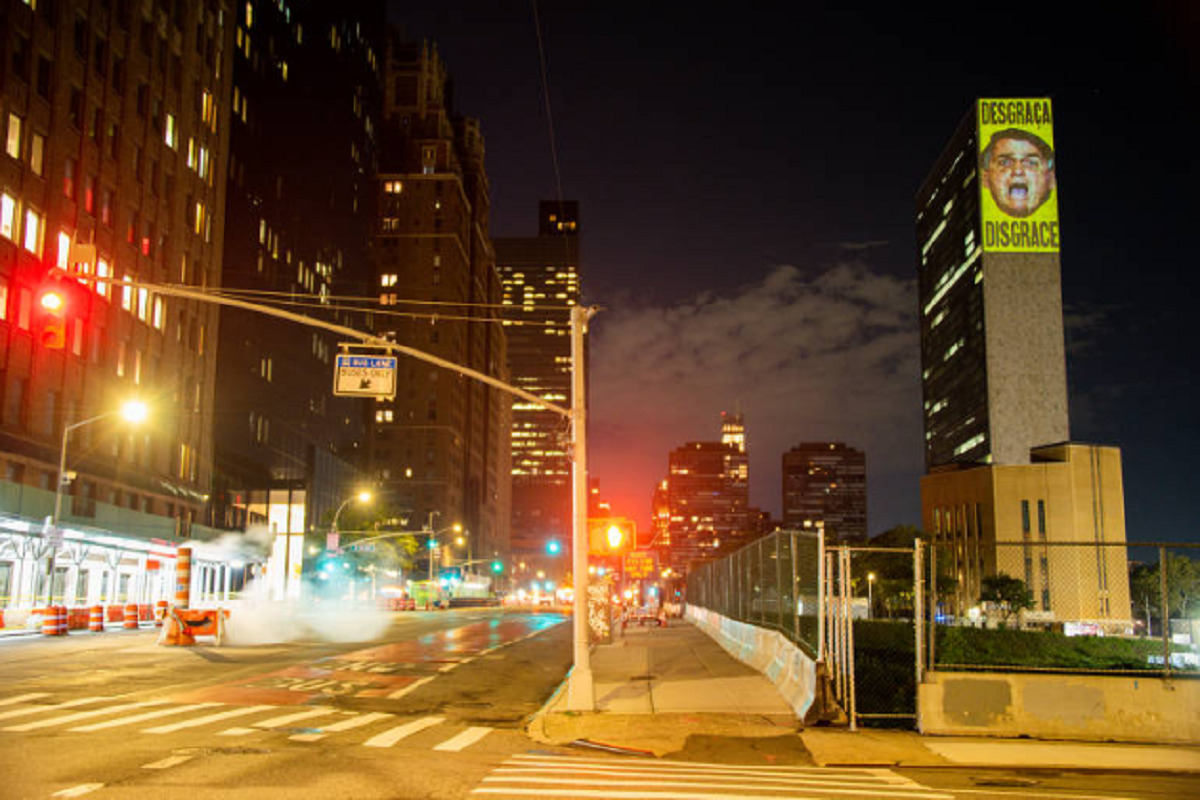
[746, 183]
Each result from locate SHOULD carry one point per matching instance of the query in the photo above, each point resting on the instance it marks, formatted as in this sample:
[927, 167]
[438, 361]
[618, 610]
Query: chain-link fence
[773, 582]
[1065, 606]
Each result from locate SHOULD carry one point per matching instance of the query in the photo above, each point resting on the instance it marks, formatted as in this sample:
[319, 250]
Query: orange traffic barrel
[131, 616]
[96, 619]
[63, 620]
[49, 621]
[160, 612]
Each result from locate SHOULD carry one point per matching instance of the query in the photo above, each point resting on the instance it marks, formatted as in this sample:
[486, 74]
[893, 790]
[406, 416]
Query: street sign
[364, 376]
[331, 541]
[639, 564]
[365, 547]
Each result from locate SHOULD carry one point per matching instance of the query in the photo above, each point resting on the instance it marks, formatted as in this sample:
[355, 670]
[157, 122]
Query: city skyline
[767, 189]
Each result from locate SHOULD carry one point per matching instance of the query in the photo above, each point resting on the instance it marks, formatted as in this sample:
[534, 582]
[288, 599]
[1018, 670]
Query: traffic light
[553, 547]
[497, 566]
[611, 536]
[52, 319]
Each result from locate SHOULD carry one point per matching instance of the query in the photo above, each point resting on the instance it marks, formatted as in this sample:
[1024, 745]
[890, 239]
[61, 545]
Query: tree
[358, 522]
[893, 585]
[1008, 593]
[1183, 585]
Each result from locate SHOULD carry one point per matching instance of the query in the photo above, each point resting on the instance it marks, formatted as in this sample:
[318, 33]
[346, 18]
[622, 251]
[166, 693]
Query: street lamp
[133, 412]
[870, 595]
[362, 497]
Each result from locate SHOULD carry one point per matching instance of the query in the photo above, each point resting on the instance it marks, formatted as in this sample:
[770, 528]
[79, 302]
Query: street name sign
[364, 376]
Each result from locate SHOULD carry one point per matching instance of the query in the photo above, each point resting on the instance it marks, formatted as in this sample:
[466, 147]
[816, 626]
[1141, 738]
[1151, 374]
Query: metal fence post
[848, 622]
[1166, 612]
[933, 604]
[795, 609]
[822, 601]
[778, 582]
[918, 610]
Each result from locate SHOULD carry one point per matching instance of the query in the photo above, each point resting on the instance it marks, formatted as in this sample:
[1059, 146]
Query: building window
[1025, 517]
[1042, 518]
[12, 144]
[37, 154]
[8, 215]
[33, 231]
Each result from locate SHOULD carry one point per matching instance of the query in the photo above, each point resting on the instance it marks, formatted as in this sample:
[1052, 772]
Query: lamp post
[133, 412]
[362, 497]
[870, 595]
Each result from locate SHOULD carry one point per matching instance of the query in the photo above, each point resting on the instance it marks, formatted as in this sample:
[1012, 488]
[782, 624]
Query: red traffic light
[610, 536]
[52, 322]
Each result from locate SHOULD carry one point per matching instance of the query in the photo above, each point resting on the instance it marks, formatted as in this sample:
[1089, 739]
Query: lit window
[127, 294]
[170, 134]
[64, 250]
[158, 314]
[102, 271]
[8, 215]
[13, 144]
[37, 151]
[143, 302]
[33, 231]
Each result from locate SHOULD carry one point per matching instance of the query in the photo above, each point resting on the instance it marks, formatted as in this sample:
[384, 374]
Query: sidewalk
[656, 687]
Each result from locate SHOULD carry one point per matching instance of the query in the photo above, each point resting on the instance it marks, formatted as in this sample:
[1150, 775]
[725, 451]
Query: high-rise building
[993, 364]
[440, 448]
[540, 277]
[825, 486]
[994, 378]
[707, 494]
[116, 129]
[302, 154]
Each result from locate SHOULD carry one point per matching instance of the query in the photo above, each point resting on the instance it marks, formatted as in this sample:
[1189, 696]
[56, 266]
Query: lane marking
[166, 763]
[21, 698]
[703, 771]
[411, 687]
[448, 667]
[162, 712]
[75, 791]
[46, 723]
[463, 740]
[349, 724]
[196, 723]
[730, 782]
[608, 794]
[390, 737]
[24, 712]
[288, 719]
[237, 731]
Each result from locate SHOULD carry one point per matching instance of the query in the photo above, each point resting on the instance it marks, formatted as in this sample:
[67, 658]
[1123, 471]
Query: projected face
[1019, 174]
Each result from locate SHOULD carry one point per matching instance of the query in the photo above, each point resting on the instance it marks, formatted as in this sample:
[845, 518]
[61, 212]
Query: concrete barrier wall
[1081, 707]
[771, 653]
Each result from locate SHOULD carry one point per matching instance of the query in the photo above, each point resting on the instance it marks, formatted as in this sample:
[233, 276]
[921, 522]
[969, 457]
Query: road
[432, 707]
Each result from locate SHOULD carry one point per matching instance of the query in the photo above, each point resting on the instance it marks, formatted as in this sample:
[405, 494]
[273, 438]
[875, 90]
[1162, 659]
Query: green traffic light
[497, 566]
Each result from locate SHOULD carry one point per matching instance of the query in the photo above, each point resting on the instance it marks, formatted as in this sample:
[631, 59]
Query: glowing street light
[132, 411]
[870, 595]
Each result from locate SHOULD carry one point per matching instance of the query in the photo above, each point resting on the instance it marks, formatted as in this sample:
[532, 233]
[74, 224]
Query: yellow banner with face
[1018, 190]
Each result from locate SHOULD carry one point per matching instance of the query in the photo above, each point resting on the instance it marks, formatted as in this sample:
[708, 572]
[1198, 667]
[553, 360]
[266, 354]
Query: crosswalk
[537, 776]
[31, 713]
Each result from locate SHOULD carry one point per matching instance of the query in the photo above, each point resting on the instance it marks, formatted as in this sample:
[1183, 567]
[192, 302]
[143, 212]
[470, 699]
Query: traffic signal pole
[580, 688]
[581, 694]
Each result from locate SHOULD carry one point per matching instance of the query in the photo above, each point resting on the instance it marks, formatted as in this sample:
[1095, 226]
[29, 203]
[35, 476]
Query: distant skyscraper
[441, 447]
[992, 354]
[541, 280]
[303, 150]
[1004, 485]
[825, 485]
[707, 496]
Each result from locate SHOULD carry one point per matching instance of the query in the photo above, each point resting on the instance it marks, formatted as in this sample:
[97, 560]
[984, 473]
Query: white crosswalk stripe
[379, 729]
[78, 715]
[528, 776]
[390, 737]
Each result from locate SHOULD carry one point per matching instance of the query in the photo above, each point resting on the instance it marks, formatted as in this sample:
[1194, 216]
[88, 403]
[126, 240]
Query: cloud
[807, 357]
